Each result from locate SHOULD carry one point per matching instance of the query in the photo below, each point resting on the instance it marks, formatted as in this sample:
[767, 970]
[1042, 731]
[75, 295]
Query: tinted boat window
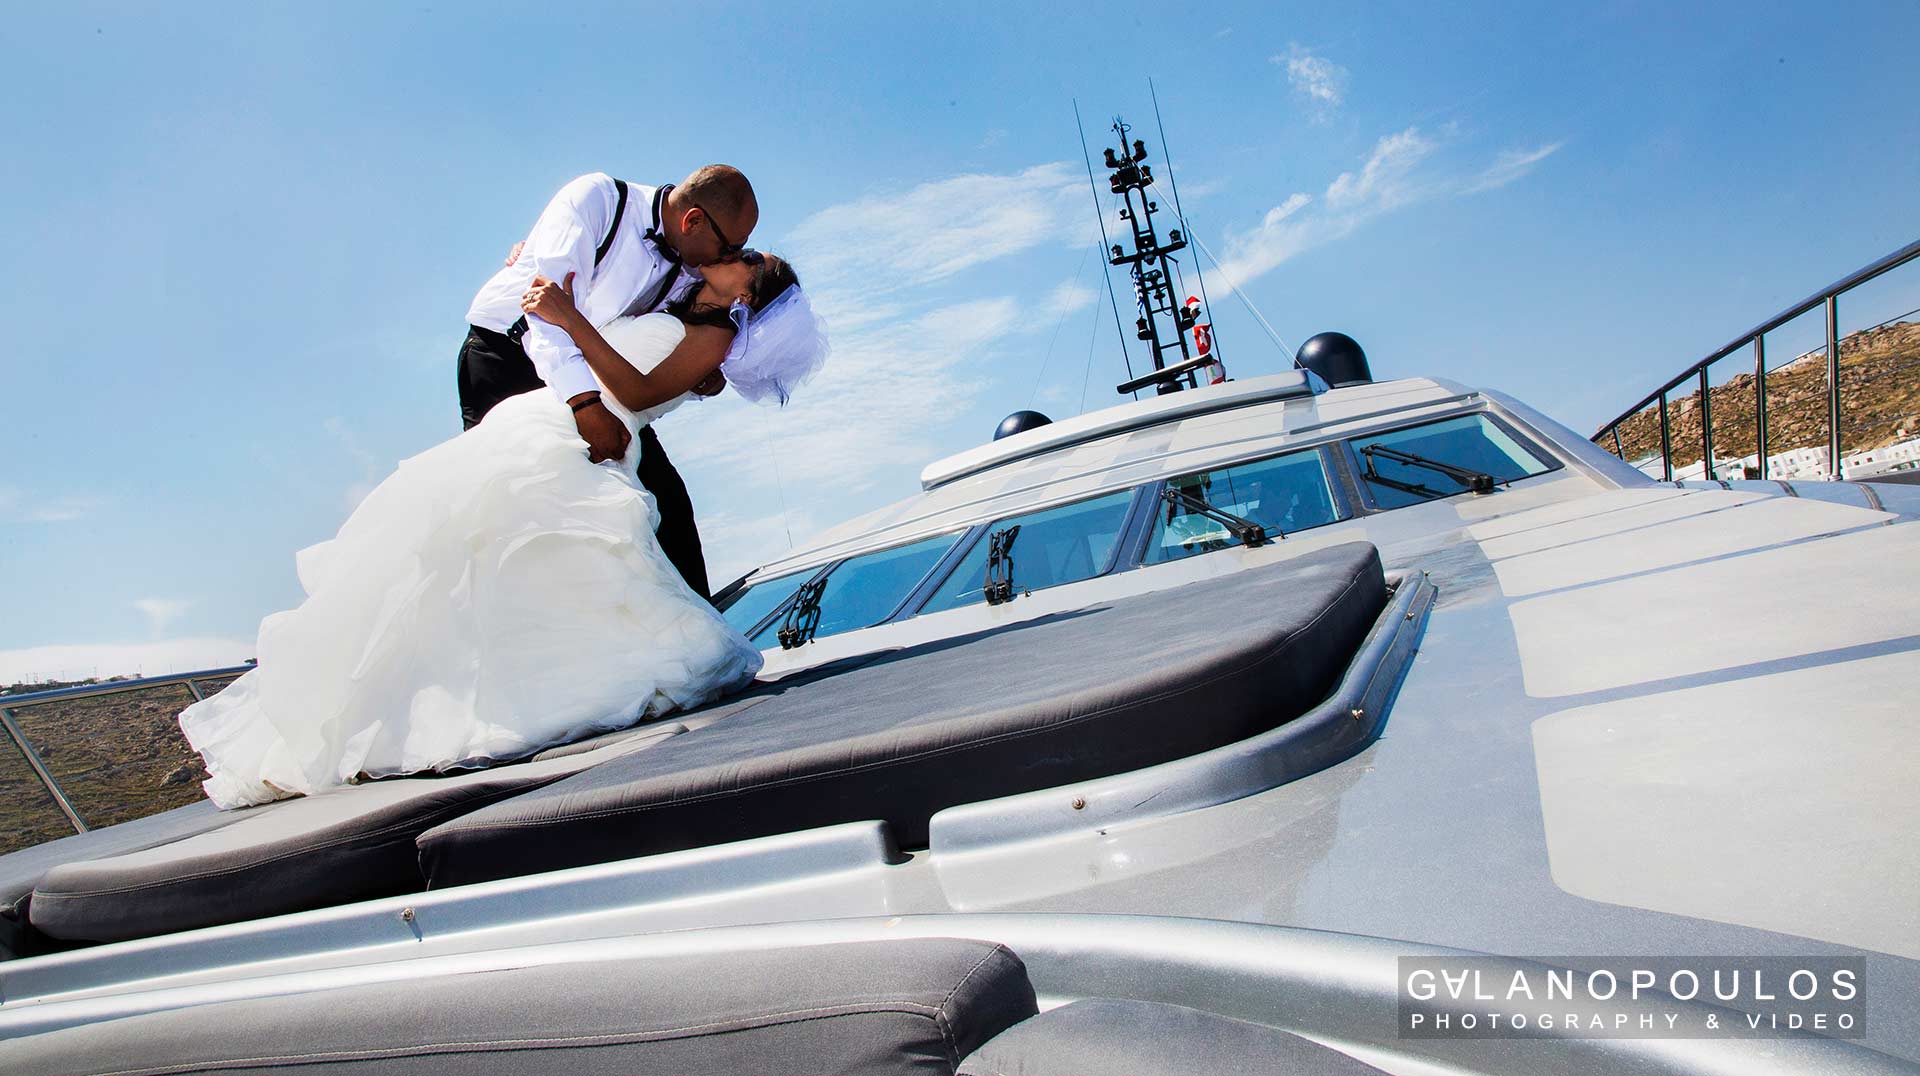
[747, 607]
[1285, 494]
[1470, 441]
[1054, 546]
[867, 589]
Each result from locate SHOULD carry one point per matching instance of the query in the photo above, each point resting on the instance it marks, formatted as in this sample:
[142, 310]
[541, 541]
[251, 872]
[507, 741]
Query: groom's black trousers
[492, 368]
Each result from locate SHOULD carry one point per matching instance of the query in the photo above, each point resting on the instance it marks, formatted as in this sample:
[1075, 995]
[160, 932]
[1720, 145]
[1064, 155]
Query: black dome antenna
[1020, 422]
[1336, 357]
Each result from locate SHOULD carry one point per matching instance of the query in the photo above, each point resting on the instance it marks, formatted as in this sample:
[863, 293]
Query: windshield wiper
[1249, 533]
[1477, 481]
[803, 616]
[999, 583]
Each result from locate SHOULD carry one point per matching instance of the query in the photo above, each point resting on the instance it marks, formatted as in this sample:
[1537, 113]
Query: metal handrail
[10, 703]
[1829, 297]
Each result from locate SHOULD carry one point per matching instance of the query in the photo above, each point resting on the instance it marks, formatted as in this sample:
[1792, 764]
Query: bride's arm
[690, 364]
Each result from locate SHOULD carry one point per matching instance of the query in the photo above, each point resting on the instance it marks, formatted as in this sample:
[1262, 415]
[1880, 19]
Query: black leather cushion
[868, 1008]
[343, 845]
[1098, 1037]
[1078, 695]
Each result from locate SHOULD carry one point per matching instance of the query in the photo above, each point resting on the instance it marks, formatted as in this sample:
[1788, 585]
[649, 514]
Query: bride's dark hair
[771, 277]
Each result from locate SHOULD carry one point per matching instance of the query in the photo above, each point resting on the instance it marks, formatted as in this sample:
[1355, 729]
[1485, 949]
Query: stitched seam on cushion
[610, 812]
[719, 1027]
[946, 1025]
[438, 817]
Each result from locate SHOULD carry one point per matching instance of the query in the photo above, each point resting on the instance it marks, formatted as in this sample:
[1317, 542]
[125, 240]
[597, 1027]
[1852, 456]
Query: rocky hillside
[117, 757]
[1879, 400]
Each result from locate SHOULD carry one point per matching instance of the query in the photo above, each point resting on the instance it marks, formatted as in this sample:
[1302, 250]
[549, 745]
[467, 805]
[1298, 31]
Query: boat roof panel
[1111, 421]
[1136, 443]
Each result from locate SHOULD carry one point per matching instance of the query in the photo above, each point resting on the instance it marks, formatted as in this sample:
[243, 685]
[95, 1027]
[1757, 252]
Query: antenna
[1151, 265]
[1101, 217]
[1174, 181]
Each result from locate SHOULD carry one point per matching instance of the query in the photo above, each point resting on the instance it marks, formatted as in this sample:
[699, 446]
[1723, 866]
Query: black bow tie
[653, 232]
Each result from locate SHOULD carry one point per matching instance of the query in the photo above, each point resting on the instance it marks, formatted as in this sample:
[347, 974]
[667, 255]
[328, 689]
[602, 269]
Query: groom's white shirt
[563, 241]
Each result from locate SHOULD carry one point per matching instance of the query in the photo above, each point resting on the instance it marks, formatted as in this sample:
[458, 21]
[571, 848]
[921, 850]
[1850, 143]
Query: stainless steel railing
[1755, 338]
[10, 703]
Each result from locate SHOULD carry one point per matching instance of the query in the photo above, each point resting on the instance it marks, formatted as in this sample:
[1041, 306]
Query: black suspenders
[519, 328]
[619, 210]
[665, 287]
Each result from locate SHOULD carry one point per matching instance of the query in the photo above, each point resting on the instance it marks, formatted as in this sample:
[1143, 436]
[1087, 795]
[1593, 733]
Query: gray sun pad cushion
[1078, 695]
[21, 871]
[343, 845]
[1100, 1037]
[866, 1008]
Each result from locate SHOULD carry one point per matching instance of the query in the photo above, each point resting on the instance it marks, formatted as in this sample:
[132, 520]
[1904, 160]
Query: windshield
[1054, 546]
[1284, 494]
[1470, 442]
[865, 590]
[746, 608]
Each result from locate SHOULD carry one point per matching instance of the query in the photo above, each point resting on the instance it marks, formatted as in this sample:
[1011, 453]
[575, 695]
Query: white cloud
[1385, 182]
[1295, 203]
[736, 543]
[888, 391]
[371, 469]
[1196, 190]
[1068, 297]
[853, 310]
[884, 404]
[1400, 171]
[903, 364]
[81, 660]
[1509, 166]
[1323, 82]
[888, 242]
[161, 612]
[1057, 397]
[17, 507]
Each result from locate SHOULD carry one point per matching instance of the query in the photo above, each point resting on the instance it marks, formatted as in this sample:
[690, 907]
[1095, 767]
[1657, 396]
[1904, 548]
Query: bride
[498, 593]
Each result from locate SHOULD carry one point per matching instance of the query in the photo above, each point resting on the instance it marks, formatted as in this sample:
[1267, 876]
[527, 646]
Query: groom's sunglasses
[728, 248]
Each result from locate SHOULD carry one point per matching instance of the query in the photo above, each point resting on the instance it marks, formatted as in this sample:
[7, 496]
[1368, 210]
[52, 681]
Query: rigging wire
[1231, 286]
[1116, 203]
[1187, 230]
[1091, 343]
[1057, 326]
[779, 485]
[1101, 216]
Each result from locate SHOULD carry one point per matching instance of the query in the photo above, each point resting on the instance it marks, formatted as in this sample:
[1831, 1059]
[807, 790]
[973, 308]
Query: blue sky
[245, 236]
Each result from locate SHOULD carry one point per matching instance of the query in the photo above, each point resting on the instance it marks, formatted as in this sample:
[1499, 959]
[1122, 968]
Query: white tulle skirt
[497, 594]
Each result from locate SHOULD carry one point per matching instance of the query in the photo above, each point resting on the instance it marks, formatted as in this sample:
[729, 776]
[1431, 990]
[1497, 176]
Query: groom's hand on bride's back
[607, 437]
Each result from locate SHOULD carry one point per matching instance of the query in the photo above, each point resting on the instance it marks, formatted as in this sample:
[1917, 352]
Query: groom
[631, 249]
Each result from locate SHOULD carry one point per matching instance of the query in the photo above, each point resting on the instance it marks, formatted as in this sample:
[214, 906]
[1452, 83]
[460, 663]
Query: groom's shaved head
[712, 214]
[724, 190]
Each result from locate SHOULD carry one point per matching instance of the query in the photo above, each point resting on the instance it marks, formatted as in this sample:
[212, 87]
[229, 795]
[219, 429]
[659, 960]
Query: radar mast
[1151, 266]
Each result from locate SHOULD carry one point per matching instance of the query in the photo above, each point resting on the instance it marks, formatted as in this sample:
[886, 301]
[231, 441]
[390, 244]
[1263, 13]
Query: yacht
[1229, 728]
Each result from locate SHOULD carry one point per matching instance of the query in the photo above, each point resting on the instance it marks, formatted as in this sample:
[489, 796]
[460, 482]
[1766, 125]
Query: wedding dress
[497, 594]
